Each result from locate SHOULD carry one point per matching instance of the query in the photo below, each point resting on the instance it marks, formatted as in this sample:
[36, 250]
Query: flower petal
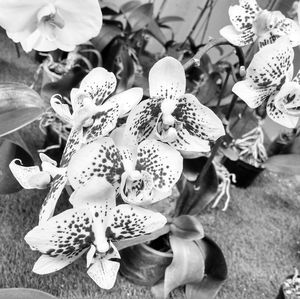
[197, 119]
[167, 79]
[142, 120]
[242, 16]
[127, 100]
[65, 234]
[251, 95]
[279, 116]
[128, 221]
[98, 84]
[47, 264]
[237, 38]
[83, 21]
[272, 65]
[72, 146]
[161, 161]
[100, 158]
[61, 109]
[104, 273]
[49, 204]
[24, 175]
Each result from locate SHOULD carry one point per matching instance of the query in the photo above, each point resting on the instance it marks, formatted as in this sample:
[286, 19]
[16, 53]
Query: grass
[259, 232]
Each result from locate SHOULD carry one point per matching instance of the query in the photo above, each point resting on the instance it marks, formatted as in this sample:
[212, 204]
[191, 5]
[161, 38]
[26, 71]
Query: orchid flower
[34, 178]
[91, 228]
[172, 116]
[47, 25]
[250, 23]
[268, 78]
[141, 176]
[92, 107]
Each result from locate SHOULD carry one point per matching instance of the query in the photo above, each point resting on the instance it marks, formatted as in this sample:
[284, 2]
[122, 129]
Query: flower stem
[211, 44]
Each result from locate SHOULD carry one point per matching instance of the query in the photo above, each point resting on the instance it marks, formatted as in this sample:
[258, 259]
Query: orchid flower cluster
[269, 78]
[115, 171]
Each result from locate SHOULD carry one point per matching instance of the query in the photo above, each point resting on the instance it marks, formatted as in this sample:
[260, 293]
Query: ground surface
[259, 233]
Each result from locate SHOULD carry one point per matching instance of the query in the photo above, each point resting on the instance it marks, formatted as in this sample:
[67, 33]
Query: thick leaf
[128, 6]
[187, 266]
[109, 8]
[140, 17]
[215, 272]
[192, 201]
[170, 19]
[156, 32]
[19, 106]
[289, 164]
[18, 293]
[64, 85]
[106, 35]
[187, 227]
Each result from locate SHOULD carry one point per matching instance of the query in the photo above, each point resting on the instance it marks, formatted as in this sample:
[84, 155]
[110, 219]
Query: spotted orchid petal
[98, 84]
[128, 221]
[237, 38]
[62, 110]
[100, 158]
[167, 79]
[127, 100]
[197, 119]
[280, 116]
[268, 70]
[64, 236]
[29, 177]
[142, 120]
[104, 121]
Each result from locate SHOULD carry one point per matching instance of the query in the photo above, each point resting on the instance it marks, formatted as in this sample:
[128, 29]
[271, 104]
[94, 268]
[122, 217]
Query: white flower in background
[141, 175]
[250, 23]
[92, 105]
[47, 25]
[269, 78]
[172, 116]
[91, 227]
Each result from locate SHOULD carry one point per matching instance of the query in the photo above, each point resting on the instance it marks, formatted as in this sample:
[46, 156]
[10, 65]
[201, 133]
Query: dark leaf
[19, 106]
[170, 19]
[129, 6]
[156, 32]
[109, 8]
[187, 227]
[215, 271]
[289, 164]
[187, 266]
[64, 85]
[107, 34]
[17, 293]
[140, 17]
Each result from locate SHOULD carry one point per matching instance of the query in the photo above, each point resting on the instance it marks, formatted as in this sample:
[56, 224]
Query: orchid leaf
[289, 164]
[187, 227]
[128, 6]
[156, 32]
[140, 17]
[19, 106]
[215, 272]
[187, 266]
[107, 34]
[109, 8]
[170, 19]
[16, 293]
[64, 85]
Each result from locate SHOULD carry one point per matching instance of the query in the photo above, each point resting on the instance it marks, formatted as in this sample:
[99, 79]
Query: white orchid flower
[269, 78]
[91, 228]
[172, 116]
[142, 175]
[251, 23]
[92, 105]
[47, 25]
